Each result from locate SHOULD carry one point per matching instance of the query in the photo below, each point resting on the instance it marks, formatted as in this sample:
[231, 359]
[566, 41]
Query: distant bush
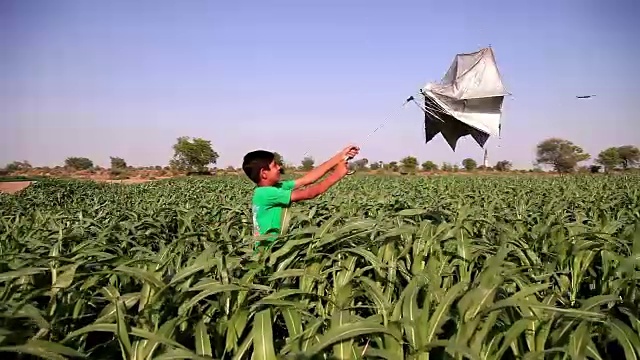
[119, 173]
[199, 173]
[21, 178]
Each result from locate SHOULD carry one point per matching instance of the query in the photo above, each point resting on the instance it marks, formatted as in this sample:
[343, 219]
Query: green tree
[409, 163]
[429, 166]
[118, 163]
[469, 164]
[446, 167]
[193, 155]
[278, 159]
[503, 165]
[307, 163]
[78, 163]
[360, 164]
[18, 166]
[609, 158]
[393, 166]
[629, 155]
[374, 165]
[562, 154]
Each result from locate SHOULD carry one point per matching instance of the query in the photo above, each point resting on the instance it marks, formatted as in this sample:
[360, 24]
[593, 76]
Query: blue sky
[126, 78]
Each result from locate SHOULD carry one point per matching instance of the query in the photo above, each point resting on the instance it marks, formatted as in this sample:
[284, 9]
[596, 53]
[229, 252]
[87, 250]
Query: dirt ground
[13, 186]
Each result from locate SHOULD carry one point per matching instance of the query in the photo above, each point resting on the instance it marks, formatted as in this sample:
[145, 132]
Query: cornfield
[379, 267]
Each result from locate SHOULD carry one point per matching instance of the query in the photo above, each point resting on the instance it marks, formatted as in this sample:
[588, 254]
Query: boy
[271, 195]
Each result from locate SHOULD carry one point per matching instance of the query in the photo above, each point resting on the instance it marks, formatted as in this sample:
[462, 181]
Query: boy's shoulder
[261, 191]
[283, 185]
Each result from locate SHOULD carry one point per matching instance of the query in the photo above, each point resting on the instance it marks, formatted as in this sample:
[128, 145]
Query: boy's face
[272, 175]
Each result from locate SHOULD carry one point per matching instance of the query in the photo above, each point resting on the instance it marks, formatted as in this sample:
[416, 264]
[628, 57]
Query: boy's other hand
[342, 168]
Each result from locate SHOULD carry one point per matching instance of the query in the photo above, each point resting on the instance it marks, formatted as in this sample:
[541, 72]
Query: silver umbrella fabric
[468, 100]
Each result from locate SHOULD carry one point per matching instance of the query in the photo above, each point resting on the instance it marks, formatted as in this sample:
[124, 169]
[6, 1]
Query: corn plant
[378, 267]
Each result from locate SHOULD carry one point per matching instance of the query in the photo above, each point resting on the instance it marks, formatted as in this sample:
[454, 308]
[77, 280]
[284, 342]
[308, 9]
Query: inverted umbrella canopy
[468, 100]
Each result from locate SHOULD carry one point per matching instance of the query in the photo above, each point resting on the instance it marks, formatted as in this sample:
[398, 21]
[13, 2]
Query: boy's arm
[321, 187]
[319, 171]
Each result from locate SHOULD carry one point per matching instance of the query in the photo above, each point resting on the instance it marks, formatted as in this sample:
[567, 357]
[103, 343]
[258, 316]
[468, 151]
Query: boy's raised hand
[350, 152]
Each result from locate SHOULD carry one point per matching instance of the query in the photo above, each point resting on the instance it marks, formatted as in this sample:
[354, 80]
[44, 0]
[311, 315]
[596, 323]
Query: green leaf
[244, 347]
[5, 276]
[122, 331]
[626, 337]
[175, 354]
[293, 322]
[112, 328]
[438, 317]
[263, 336]
[147, 276]
[347, 331]
[208, 291]
[411, 212]
[66, 278]
[164, 332]
[44, 349]
[203, 343]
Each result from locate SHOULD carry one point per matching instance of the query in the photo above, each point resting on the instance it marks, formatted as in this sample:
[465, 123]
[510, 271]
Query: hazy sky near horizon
[126, 78]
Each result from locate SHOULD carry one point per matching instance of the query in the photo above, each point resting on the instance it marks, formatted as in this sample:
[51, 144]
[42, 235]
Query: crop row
[379, 267]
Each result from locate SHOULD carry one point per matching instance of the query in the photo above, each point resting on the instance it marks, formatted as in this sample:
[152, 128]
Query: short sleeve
[273, 196]
[288, 185]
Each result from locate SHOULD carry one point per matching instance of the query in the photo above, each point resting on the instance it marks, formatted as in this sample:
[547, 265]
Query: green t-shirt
[267, 205]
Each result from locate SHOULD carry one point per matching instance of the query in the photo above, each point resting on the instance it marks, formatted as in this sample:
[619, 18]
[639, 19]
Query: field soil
[13, 187]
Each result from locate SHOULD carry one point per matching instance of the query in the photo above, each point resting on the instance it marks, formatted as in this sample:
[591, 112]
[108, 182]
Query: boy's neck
[261, 184]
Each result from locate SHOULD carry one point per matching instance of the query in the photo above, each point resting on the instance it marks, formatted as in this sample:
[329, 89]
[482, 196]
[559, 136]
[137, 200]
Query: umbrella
[467, 101]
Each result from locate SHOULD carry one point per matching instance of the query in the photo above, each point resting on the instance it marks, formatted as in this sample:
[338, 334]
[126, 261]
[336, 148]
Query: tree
[503, 165]
[409, 163]
[429, 166]
[629, 155]
[118, 163]
[278, 159]
[562, 154]
[374, 166]
[78, 163]
[469, 164]
[446, 167]
[609, 158]
[193, 155]
[307, 163]
[18, 166]
[393, 166]
[360, 164]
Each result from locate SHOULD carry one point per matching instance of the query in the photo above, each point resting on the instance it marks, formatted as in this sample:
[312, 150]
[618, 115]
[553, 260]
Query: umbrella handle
[350, 172]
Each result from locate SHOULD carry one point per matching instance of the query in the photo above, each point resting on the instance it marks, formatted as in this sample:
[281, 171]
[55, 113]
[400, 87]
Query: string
[392, 115]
